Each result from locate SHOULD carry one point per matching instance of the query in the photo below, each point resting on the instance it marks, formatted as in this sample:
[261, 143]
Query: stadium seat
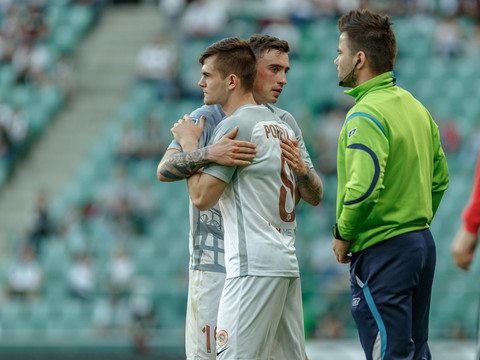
[80, 17]
[39, 318]
[7, 77]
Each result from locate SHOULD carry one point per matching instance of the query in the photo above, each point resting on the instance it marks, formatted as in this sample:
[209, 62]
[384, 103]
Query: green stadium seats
[39, 318]
[64, 39]
[7, 78]
[80, 18]
[56, 13]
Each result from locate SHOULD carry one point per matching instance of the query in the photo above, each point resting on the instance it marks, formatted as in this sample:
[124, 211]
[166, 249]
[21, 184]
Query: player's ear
[232, 81]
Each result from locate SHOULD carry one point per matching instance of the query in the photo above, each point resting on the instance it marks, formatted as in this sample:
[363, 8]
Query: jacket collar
[383, 81]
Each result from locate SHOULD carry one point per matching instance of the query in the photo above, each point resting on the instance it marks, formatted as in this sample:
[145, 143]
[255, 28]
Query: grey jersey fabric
[213, 114]
[290, 120]
[206, 227]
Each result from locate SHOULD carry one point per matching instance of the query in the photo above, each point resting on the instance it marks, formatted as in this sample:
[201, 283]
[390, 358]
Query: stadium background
[88, 93]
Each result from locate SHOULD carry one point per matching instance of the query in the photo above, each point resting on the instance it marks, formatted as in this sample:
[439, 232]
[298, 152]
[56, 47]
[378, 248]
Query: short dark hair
[233, 56]
[261, 43]
[373, 34]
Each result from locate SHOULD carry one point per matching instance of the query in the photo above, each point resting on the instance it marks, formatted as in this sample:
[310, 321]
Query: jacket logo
[355, 301]
[352, 132]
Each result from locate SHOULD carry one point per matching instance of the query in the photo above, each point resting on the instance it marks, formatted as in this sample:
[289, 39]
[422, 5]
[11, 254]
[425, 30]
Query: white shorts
[261, 318]
[204, 291]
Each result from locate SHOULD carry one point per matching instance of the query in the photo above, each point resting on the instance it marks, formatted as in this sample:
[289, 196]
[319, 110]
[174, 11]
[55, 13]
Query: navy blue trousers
[391, 285]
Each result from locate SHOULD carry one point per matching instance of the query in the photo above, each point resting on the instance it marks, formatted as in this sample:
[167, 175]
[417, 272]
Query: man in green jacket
[392, 174]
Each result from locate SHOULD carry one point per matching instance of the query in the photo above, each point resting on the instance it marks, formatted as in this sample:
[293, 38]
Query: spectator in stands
[129, 143]
[110, 314]
[118, 204]
[73, 230]
[30, 61]
[143, 316]
[7, 47]
[21, 60]
[19, 127]
[278, 9]
[344, 6]
[119, 186]
[283, 28]
[32, 22]
[152, 140]
[144, 205]
[25, 275]
[38, 221]
[120, 274]
[448, 38]
[40, 61]
[172, 8]
[10, 25]
[62, 74]
[449, 135]
[16, 125]
[326, 140]
[81, 277]
[204, 19]
[6, 149]
[140, 142]
[123, 216]
[157, 64]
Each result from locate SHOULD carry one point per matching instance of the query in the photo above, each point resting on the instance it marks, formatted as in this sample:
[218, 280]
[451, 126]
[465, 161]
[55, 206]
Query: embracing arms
[176, 165]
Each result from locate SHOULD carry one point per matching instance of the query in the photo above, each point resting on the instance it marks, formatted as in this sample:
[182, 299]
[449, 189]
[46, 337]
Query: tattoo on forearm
[182, 165]
[311, 187]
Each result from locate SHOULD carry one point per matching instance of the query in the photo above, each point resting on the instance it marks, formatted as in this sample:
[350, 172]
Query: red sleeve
[471, 213]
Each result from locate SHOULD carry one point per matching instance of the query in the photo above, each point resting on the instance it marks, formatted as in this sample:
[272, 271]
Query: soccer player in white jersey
[261, 303]
[207, 271]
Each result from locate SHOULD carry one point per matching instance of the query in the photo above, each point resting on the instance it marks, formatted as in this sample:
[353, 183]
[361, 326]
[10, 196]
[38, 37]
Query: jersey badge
[222, 338]
[352, 132]
[355, 301]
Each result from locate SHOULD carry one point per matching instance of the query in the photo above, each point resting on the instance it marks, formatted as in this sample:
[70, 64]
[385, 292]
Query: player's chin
[273, 99]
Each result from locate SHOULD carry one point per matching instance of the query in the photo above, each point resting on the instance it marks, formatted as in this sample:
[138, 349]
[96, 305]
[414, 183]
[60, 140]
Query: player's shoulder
[250, 112]
[212, 113]
[282, 114]
[276, 110]
[246, 118]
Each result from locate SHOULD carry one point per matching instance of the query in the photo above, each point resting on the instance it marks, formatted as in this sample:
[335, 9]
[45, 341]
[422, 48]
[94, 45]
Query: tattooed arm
[310, 187]
[176, 165]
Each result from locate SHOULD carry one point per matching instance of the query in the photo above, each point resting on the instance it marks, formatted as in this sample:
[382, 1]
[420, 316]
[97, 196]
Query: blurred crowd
[36, 53]
[123, 209]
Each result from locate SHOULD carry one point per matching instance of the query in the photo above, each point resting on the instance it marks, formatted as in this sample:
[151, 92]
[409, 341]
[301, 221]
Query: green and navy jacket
[392, 171]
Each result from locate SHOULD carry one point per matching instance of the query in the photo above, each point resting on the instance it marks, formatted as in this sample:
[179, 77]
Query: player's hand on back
[228, 151]
[291, 153]
[186, 132]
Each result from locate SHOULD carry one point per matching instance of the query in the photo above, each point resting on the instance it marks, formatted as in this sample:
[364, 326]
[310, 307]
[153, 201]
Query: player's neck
[237, 100]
